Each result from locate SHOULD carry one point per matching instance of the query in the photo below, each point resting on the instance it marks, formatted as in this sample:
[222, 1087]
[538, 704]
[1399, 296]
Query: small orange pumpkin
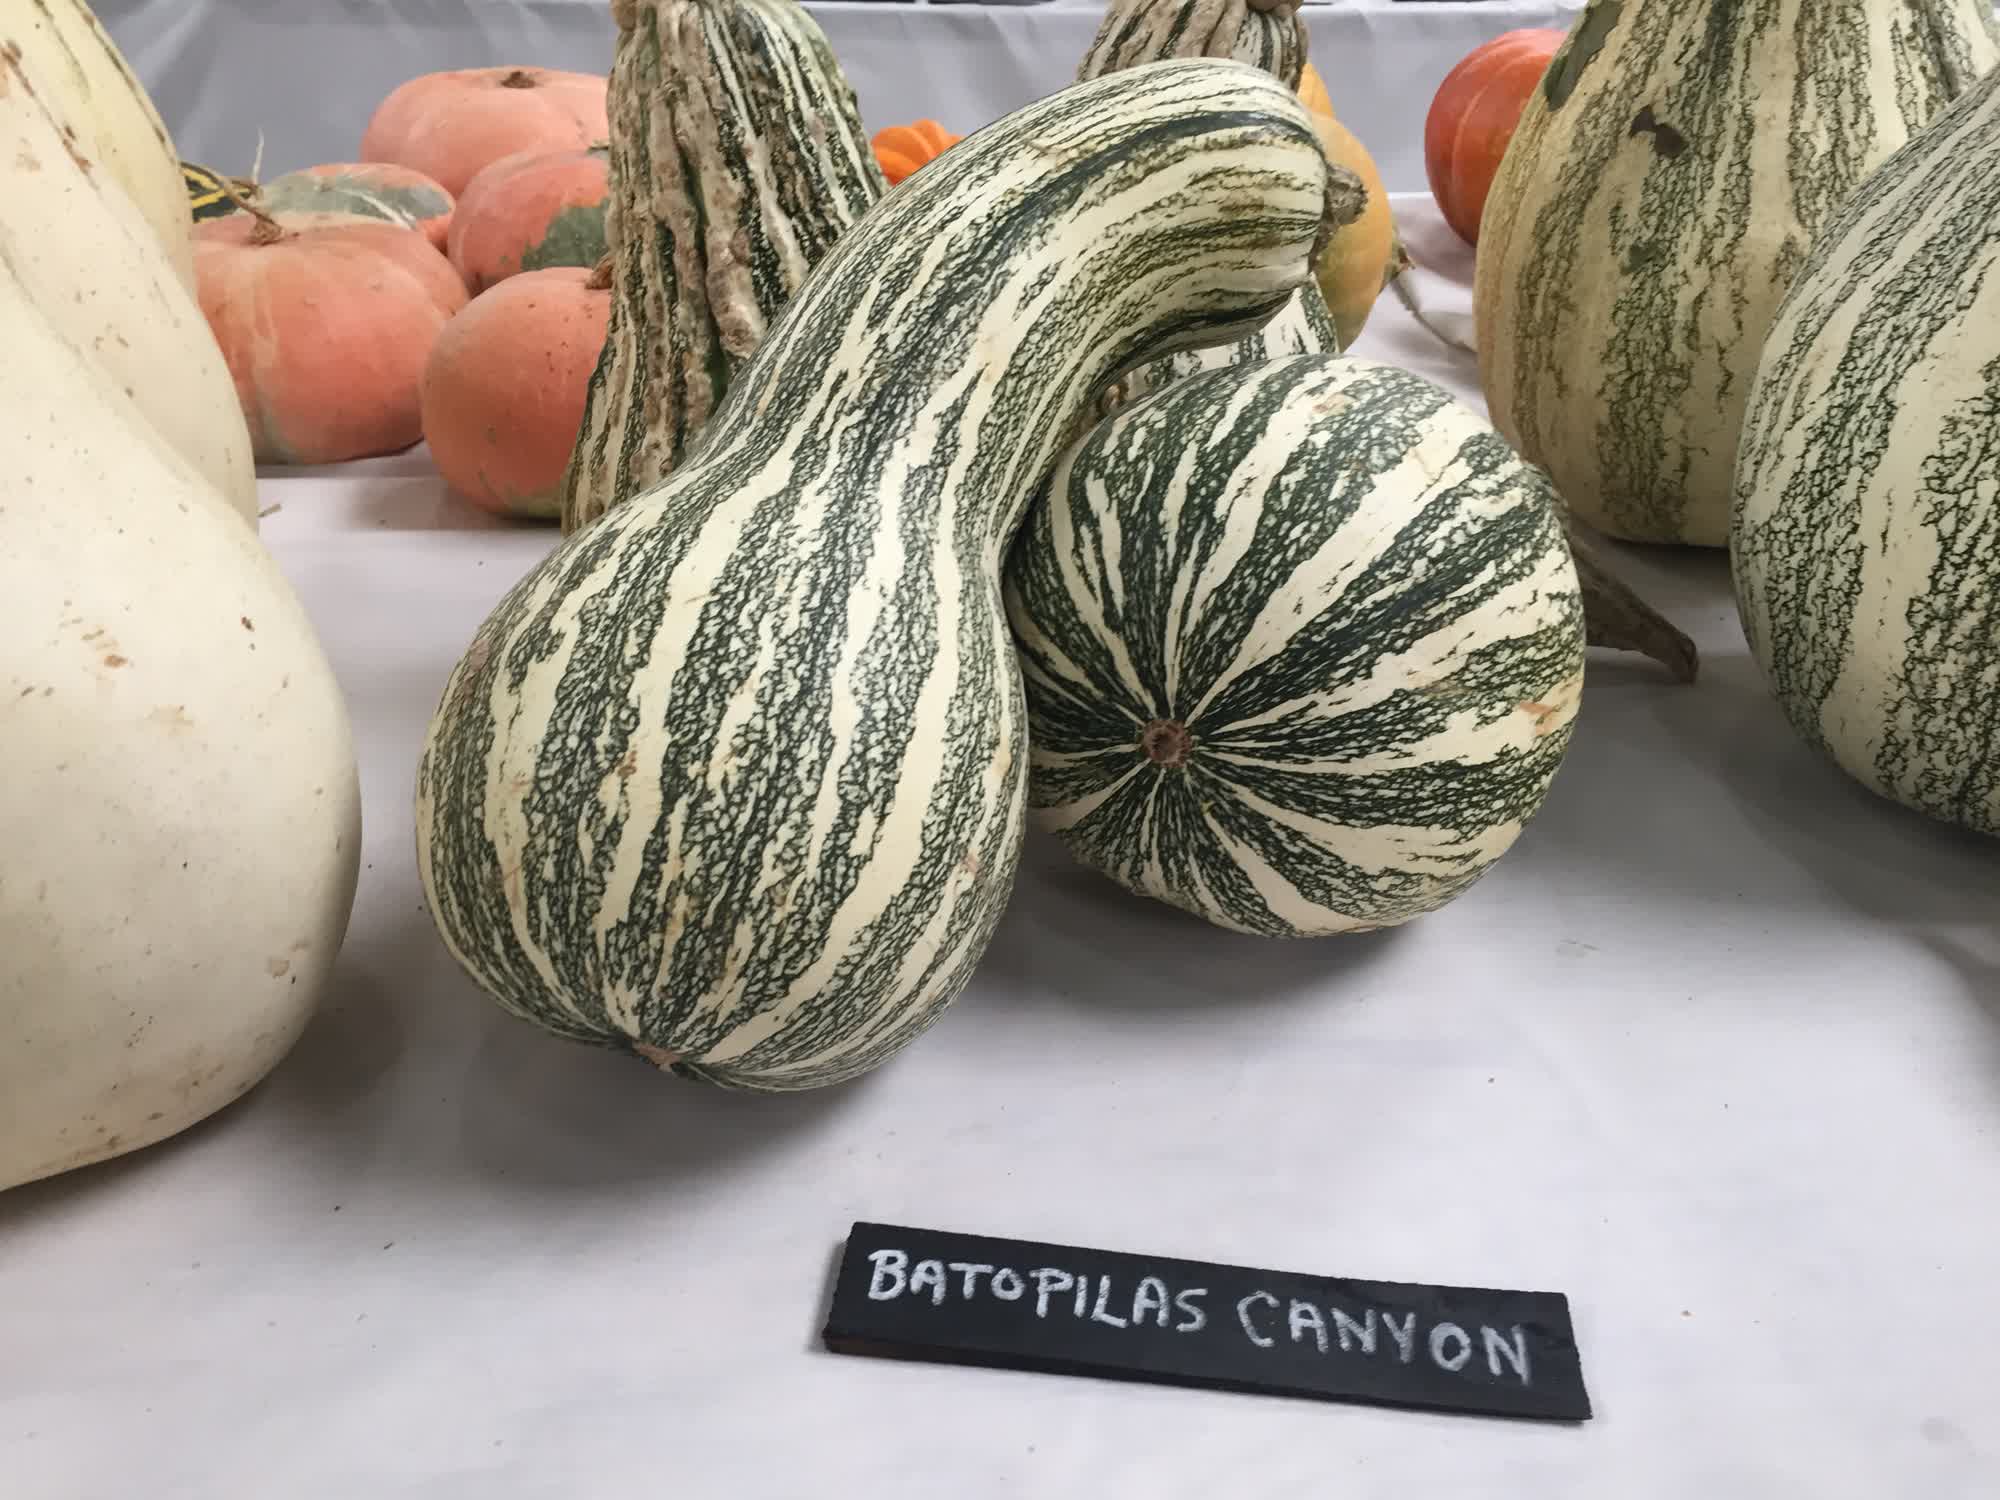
[901, 149]
[1472, 118]
[449, 125]
[503, 392]
[325, 329]
[531, 211]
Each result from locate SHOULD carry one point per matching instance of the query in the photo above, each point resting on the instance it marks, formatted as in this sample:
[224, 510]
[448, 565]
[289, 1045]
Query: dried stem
[1614, 615]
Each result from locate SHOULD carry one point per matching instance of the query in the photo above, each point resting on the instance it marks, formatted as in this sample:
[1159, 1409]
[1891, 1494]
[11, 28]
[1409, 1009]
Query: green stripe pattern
[1303, 646]
[736, 778]
[737, 159]
[1866, 542]
[1660, 193]
[1270, 37]
[1136, 32]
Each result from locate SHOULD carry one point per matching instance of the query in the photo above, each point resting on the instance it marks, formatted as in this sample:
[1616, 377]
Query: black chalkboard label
[972, 1299]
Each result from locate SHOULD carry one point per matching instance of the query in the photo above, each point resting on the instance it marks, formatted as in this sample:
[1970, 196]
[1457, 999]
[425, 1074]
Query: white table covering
[1715, 1050]
[305, 73]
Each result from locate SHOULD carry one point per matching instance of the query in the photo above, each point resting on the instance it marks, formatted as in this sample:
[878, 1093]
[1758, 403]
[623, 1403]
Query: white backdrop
[306, 73]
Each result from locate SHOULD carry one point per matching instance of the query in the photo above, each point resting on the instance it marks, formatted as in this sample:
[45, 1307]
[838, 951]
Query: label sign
[972, 1299]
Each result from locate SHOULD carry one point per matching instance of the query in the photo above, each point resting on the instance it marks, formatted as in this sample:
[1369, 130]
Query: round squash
[1302, 646]
[1472, 118]
[531, 211]
[326, 330]
[1312, 91]
[901, 149]
[450, 125]
[1867, 485]
[1355, 263]
[504, 389]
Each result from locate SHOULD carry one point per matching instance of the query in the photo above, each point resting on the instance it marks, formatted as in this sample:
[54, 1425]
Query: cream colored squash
[180, 815]
[91, 87]
[87, 258]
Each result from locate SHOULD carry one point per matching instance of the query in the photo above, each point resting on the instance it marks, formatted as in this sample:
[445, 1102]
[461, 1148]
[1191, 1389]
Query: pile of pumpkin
[447, 286]
[453, 285]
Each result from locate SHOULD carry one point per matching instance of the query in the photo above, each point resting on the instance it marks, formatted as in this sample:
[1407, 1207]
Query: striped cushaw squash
[1866, 536]
[1303, 646]
[1660, 192]
[1268, 35]
[736, 779]
[737, 159]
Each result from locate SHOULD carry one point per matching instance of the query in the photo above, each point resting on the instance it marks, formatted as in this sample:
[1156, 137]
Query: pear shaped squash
[86, 256]
[180, 812]
[89, 86]
[1661, 189]
[1866, 538]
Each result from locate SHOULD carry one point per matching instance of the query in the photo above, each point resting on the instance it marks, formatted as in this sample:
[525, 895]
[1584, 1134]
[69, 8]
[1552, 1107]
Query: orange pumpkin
[1357, 260]
[325, 329]
[531, 211]
[449, 125]
[901, 149]
[503, 393]
[1472, 118]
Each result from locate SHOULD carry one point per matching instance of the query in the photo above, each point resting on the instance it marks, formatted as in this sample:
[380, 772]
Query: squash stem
[1615, 617]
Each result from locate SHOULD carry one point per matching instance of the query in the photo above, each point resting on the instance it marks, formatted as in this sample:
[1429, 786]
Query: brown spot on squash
[113, 659]
[659, 1057]
[1545, 715]
[278, 968]
[1667, 141]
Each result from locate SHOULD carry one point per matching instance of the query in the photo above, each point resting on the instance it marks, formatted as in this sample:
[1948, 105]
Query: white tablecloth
[305, 73]
[1715, 1050]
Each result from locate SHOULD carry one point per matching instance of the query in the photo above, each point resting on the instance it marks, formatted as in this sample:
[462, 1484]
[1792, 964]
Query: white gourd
[88, 259]
[92, 88]
[180, 814]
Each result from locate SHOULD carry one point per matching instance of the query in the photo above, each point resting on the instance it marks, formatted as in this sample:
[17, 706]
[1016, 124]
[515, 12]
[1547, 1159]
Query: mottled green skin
[409, 206]
[1866, 538]
[1353, 601]
[575, 237]
[737, 776]
[1659, 194]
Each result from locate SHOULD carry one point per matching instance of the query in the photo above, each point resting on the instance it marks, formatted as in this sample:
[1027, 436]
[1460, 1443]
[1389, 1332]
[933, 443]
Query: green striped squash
[1303, 646]
[737, 159]
[1663, 186]
[736, 779]
[1267, 34]
[1272, 38]
[1866, 539]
